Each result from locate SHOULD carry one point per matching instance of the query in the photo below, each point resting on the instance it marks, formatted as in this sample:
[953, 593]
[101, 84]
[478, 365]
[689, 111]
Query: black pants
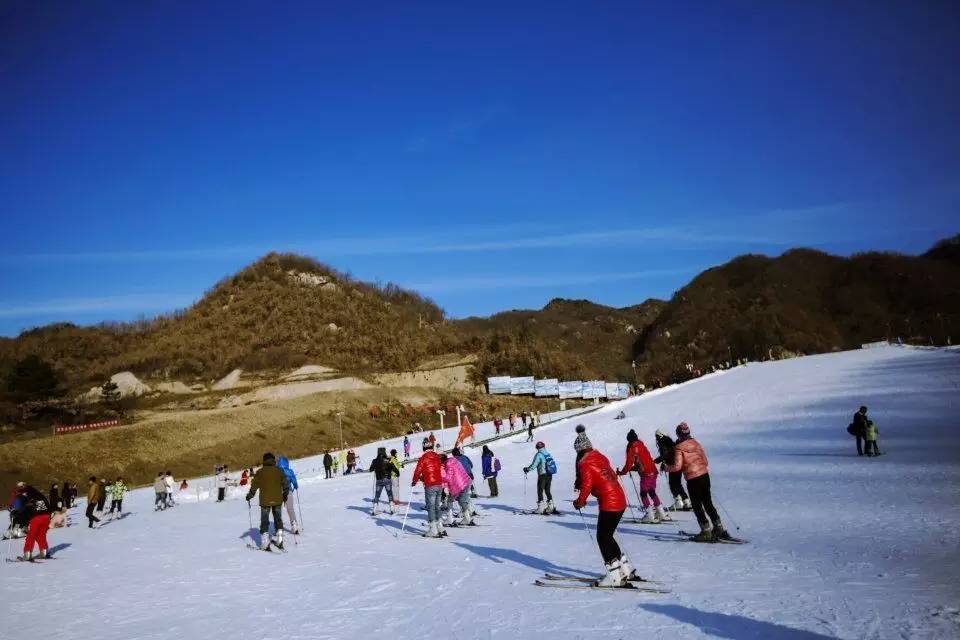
[265, 519]
[702, 502]
[872, 446]
[220, 493]
[116, 504]
[101, 502]
[327, 472]
[90, 517]
[676, 485]
[607, 523]
[859, 445]
[544, 480]
[493, 487]
[160, 503]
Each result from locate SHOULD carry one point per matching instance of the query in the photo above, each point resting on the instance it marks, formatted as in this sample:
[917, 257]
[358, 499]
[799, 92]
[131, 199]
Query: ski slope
[842, 547]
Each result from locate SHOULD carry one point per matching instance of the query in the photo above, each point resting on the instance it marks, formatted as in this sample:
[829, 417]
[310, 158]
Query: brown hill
[802, 301]
[571, 339]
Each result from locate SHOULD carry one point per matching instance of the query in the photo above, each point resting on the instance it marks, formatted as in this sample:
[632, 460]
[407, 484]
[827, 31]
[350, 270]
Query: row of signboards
[552, 387]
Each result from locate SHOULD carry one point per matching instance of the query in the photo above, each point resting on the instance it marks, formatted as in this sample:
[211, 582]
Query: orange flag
[466, 429]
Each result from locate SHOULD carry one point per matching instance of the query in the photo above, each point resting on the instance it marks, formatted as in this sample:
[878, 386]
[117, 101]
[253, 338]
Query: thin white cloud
[140, 302]
[454, 283]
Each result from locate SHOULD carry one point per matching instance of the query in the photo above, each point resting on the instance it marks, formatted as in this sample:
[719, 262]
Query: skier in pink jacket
[456, 481]
[691, 459]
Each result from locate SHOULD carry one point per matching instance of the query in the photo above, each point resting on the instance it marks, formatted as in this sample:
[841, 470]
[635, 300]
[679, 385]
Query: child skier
[272, 484]
[284, 466]
[37, 514]
[691, 459]
[406, 447]
[457, 483]
[171, 483]
[160, 489]
[381, 467]
[870, 433]
[639, 460]
[430, 471]
[545, 465]
[598, 479]
[395, 467]
[117, 491]
[665, 447]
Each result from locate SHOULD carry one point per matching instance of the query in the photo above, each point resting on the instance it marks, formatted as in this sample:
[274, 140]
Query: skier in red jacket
[598, 479]
[640, 460]
[430, 472]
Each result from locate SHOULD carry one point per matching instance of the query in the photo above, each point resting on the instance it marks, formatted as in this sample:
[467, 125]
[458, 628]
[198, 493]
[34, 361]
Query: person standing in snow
[870, 439]
[171, 483]
[665, 447]
[544, 464]
[222, 481]
[598, 479]
[429, 470]
[406, 447]
[117, 491]
[160, 489]
[691, 459]
[102, 496]
[274, 488]
[467, 464]
[327, 465]
[491, 468]
[293, 485]
[529, 429]
[456, 481]
[580, 439]
[639, 460]
[395, 467]
[55, 501]
[382, 468]
[37, 514]
[351, 462]
[858, 428]
[497, 424]
[93, 496]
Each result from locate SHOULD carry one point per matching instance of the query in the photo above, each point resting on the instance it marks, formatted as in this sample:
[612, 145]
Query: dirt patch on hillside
[451, 378]
[291, 390]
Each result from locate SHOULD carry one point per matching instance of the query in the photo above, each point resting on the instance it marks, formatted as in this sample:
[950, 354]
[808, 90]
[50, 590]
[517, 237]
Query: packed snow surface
[841, 546]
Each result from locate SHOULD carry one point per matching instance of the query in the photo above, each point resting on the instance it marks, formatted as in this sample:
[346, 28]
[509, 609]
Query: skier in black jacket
[860, 428]
[327, 465]
[382, 469]
[665, 446]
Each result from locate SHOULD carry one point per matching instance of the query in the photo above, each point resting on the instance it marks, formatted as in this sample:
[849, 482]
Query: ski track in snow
[841, 546]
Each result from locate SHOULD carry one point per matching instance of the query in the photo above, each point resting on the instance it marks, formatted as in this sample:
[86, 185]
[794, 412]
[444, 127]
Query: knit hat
[581, 428]
[540, 445]
[266, 457]
[683, 429]
[660, 434]
[427, 444]
[632, 436]
[582, 443]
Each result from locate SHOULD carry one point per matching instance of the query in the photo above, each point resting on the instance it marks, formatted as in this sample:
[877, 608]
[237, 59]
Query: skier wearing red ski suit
[598, 479]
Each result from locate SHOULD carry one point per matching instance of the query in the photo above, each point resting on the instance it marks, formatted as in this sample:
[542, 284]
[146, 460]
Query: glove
[578, 505]
[526, 469]
[621, 473]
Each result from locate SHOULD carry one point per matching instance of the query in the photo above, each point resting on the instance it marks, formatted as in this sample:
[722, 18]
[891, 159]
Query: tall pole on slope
[441, 413]
[340, 423]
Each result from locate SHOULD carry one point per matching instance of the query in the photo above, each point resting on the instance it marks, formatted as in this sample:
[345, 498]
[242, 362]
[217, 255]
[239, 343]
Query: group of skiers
[163, 486]
[450, 476]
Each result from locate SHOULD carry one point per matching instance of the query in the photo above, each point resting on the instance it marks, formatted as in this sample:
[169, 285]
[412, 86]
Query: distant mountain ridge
[284, 311]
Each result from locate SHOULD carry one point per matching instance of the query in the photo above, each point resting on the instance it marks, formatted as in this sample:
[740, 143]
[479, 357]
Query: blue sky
[491, 157]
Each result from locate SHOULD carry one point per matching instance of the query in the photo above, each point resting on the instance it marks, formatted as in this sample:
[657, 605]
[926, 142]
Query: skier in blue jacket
[284, 466]
[491, 467]
[546, 467]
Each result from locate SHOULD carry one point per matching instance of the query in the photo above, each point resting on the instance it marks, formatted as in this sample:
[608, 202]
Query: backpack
[551, 465]
[852, 429]
[496, 464]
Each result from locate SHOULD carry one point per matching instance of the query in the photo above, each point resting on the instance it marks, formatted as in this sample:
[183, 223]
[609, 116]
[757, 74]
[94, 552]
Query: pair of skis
[686, 536]
[575, 582]
[534, 512]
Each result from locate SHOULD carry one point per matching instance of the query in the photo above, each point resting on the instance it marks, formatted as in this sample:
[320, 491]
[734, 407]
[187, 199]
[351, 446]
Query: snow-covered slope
[841, 546]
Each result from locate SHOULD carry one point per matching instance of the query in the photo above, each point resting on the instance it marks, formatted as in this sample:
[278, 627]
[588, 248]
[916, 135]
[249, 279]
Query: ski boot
[706, 533]
[627, 571]
[688, 505]
[26, 557]
[719, 533]
[678, 504]
[648, 517]
[390, 508]
[551, 509]
[661, 515]
[374, 512]
[614, 578]
[440, 531]
[278, 540]
[264, 542]
[541, 508]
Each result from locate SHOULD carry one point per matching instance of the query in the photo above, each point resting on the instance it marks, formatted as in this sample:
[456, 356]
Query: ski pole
[720, 504]
[299, 509]
[524, 490]
[405, 512]
[635, 489]
[586, 530]
[633, 513]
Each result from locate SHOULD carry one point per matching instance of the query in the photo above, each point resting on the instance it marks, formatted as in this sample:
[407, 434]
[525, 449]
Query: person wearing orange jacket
[429, 470]
[598, 479]
[640, 460]
[691, 459]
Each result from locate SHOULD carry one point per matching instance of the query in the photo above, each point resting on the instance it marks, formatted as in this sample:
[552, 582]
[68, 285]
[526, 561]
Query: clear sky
[491, 157]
